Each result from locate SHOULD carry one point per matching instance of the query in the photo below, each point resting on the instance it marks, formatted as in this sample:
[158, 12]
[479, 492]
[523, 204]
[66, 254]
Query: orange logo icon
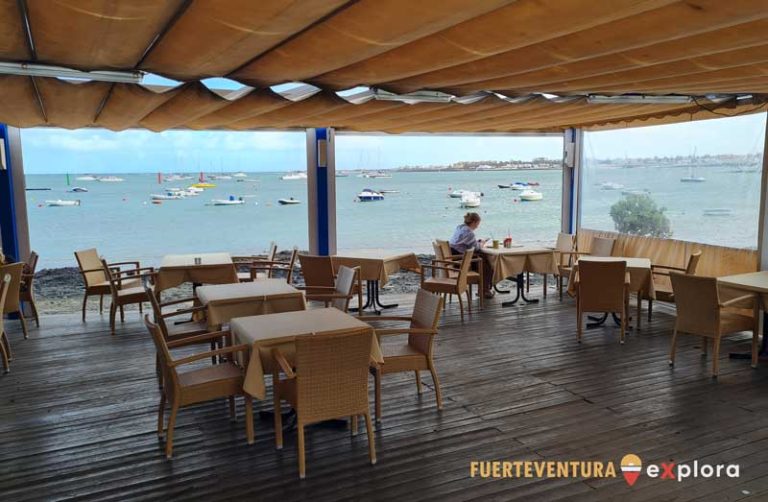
[630, 468]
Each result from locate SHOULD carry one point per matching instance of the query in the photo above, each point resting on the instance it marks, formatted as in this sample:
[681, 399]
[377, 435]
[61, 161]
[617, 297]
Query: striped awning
[529, 65]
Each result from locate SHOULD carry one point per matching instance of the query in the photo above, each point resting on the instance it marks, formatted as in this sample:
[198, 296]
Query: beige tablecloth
[266, 332]
[267, 296]
[214, 268]
[509, 262]
[640, 279]
[377, 264]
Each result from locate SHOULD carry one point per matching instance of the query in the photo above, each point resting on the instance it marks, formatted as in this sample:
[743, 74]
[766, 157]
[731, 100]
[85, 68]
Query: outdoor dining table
[376, 265]
[264, 296]
[640, 277]
[265, 332]
[752, 282]
[513, 262]
[203, 268]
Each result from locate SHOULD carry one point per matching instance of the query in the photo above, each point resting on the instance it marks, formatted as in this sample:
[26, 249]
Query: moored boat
[203, 185]
[368, 195]
[299, 175]
[166, 196]
[231, 201]
[470, 199]
[531, 195]
[87, 177]
[78, 190]
[62, 203]
[288, 201]
[110, 179]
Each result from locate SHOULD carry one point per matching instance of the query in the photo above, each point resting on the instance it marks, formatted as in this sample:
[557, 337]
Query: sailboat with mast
[692, 178]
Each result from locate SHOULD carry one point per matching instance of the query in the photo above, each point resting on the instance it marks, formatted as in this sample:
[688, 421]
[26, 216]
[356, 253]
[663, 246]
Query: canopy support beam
[573, 146]
[321, 190]
[762, 231]
[14, 227]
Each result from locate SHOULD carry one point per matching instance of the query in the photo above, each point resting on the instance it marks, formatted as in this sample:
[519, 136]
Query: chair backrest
[88, 259]
[113, 281]
[601, 246]
[698, 303]
[31, 265]
[601, 285]
[163, 354]
[157, 310]
[439, 255]
[317, 270]
[565, 244]
[426, 315]
[11, 303]
[693, 263]
[445, 248]
[4, 287]
[466, 262]
[291, 265]
[332, 374]
[345, 285]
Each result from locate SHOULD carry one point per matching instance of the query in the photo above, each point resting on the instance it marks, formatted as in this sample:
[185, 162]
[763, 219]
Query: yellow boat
[203, 185]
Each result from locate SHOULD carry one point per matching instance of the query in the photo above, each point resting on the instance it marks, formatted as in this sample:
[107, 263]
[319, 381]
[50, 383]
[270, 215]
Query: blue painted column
[9, 235]
[321, 191]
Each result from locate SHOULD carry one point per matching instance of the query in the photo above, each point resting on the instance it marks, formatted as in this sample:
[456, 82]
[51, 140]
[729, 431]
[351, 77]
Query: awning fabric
[520, 49]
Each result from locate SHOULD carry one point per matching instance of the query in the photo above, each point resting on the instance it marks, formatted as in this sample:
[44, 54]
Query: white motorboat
[240, 175]
[610, 185]
[368, 195]
[288, 202]
[110, 179]
[78, 190]
[518, 186]
[458, 194]
[294, 176]
[195, 190]
[231, 201]
[377, 174]
[718, 211]
[62, 203]
[470, 199]
[220, 177]
[531, 195]
[87, 177]
[166, 196]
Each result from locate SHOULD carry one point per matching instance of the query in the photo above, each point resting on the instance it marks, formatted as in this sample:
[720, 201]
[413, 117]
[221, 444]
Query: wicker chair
[602, 287]
[347, 285]
[122, 295]
[415, 354]
[565, 254]
[700, 312]
[453, 284]
[12, 304]
[330, 381]
[27, 293]
[96, 282]
[661, 281]
[601, 246]
[198, 385]
[244, 264]
[317, 272]
[5, 346]
[267, 268]
[443, 252]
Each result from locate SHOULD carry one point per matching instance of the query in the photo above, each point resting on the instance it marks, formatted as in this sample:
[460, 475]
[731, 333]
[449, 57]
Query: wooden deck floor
[78, 411]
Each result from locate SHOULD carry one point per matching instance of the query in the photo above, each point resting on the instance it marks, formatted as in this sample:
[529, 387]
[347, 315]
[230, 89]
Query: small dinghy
[531, 195]
[231, 201]
[288, 202]
[62, 203]
[78, 190]
[167, 196]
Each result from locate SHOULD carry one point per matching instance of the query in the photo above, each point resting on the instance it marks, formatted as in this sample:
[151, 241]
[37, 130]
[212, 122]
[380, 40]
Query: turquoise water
[119, 220]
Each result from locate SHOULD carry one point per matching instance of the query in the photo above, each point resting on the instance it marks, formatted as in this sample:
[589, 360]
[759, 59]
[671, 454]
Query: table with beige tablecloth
[212, 268]
[265, 332]
[511, 262]
[640, 277]
[376, 264]
[265, 296]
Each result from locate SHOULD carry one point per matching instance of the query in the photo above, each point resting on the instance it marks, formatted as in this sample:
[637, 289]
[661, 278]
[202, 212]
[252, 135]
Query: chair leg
[481, 287]
[278, 415]
[544, 288]
[438, 392]
[704, 346]
[673, 347]
[232, 410]
[23, 325]
[754, 347]
[639, 306]
[353, 425]
[122, 314]
[112, 314]
[141, 307]
[85, 304]
[4, 355]
[249, 418]
[527, 282]
[171, 426]
[302, 464]
[560, 287]
[101, 304]
[650, 309]
[623, 325]
[418, 381]
[716, 356]
[34, 312]
[461, 307]
[371, 443]
[377, 393]
[578, 324]
[469, 302]
[161, 415]
[7, 345]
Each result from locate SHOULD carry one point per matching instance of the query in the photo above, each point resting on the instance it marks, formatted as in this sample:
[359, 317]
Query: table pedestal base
[372, 299]
[519, 292]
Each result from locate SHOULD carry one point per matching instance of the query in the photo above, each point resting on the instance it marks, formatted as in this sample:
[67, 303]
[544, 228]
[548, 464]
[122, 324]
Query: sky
[49, 150]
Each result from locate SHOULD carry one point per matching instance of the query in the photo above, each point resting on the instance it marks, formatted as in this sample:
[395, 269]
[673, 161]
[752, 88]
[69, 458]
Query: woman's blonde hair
[471, 218]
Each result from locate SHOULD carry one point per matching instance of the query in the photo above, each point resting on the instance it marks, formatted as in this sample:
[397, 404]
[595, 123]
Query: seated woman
[463, 239]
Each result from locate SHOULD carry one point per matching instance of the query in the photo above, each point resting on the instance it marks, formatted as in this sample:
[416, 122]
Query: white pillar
[321, 191]
[762, 231]
[573, 146]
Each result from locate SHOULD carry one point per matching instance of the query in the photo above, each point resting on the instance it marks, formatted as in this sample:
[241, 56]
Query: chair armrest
[132, 271]
[211, 353]
[280, 359]
[100, 269]
[384, 318]
[205, 337]
[452, 262]
[136, 263]
[738, 299]
[404, 331]
[667, 267]
[176, 302]
[304, 288]
[435, 267]
[190, 310]
[327, 296]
